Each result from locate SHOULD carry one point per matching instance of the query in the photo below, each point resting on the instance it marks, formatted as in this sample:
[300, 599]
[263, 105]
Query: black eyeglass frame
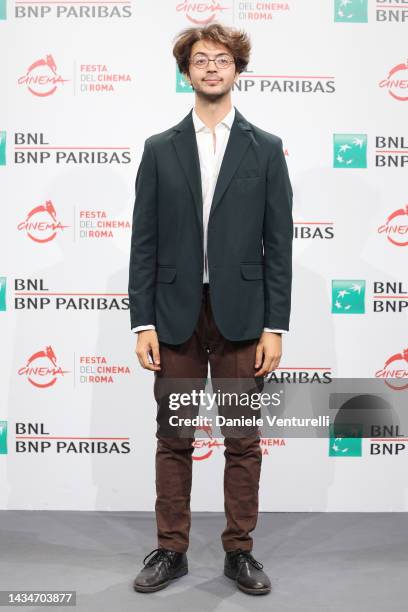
[213, 60]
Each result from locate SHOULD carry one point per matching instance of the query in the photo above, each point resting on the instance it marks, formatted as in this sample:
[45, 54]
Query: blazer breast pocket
[248, 173]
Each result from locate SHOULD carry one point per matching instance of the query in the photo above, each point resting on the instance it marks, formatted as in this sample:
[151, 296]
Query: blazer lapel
[238, 142]
[185, 144]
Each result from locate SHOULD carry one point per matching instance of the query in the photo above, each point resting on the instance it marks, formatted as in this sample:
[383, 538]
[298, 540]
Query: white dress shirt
[211, 149]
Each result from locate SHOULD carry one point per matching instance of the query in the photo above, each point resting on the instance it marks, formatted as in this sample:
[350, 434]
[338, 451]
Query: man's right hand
[148, 346]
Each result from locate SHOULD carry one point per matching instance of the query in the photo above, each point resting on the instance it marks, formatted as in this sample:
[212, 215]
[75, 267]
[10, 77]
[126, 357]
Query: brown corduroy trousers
[243, 454]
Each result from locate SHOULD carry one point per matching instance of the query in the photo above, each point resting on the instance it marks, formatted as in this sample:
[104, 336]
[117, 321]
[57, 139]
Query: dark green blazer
[250, 233]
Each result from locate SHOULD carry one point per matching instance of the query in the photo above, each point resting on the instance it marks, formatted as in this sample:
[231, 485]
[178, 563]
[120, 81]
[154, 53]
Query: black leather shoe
[247, 572]
[165, 565]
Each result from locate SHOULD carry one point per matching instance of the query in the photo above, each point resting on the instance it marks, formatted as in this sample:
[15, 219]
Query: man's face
[211, 82]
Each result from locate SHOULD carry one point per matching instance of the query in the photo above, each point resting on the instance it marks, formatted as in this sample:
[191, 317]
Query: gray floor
[316, 561]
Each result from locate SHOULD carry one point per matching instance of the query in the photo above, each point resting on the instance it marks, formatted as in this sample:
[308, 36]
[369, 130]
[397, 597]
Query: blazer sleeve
[143, 247]
[277, 242]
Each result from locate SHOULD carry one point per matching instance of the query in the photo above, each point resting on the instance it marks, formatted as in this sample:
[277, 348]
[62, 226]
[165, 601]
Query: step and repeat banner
[84, 84]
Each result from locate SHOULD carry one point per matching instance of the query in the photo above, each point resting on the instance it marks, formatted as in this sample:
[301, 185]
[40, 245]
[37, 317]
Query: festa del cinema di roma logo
[394, 369]
[41, 369]
[201, 13]
[396, 82]
[41, 224]
[396, 227]
[41, 78]
[204, 447]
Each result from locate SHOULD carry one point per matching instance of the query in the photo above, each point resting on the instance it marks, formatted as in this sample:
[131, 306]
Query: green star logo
[345, 440]
[3, 9]
[2, 148]
[2, 293]
[351, 11]
[182, 85]
[3, 437]
[348, 297]
[349, 150]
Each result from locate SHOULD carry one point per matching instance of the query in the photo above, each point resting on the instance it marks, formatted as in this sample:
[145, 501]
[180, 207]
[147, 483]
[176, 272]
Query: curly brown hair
[237, 41]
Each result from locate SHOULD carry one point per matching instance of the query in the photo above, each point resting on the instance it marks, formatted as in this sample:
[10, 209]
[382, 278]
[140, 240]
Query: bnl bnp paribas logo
[383, 11]
[351, 11]
[182, 85]
[3, 282]
[349, 150]
[348, 296]
[346, 443]
[2, 146]
[3, 437]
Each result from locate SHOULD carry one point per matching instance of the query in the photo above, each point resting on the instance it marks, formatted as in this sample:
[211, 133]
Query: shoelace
[161, 555]
[243, 555]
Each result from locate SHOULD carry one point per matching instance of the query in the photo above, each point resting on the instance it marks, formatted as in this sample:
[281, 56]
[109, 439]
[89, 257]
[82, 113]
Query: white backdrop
[86, 83]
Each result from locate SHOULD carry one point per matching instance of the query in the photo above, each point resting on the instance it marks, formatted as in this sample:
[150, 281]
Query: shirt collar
[227, 120]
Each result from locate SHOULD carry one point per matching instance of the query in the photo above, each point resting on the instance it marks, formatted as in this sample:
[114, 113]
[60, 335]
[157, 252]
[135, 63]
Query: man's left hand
[268, 353]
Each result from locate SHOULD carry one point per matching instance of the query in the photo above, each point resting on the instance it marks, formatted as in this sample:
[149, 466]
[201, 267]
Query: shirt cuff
[142, 327]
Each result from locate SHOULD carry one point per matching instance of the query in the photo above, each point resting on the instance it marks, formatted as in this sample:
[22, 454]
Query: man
[210, 283]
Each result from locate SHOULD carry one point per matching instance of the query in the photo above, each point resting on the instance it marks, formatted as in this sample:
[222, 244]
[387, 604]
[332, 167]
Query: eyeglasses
[221, 61]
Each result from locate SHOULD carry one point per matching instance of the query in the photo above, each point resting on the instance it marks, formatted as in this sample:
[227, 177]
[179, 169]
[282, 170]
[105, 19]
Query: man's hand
[268, 352]
[148, 346]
